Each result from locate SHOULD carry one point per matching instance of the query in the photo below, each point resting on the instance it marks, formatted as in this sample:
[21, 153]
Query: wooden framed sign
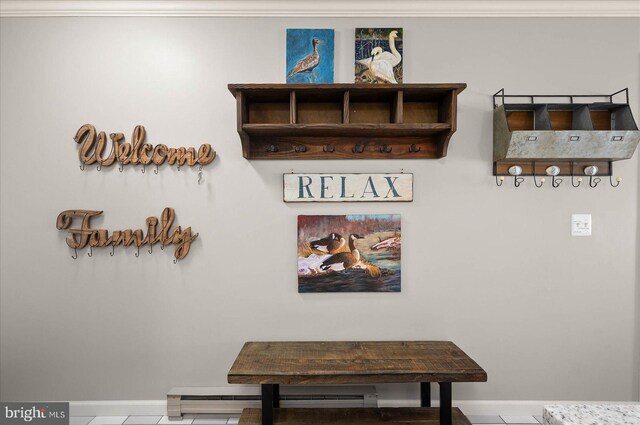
[347, 187]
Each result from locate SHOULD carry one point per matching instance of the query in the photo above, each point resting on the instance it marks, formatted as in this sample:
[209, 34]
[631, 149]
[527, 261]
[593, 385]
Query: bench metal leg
[276, 396]
[267, 404]
[445, 403]
[425, 394]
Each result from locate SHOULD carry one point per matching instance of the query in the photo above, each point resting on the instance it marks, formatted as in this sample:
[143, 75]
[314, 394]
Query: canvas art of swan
[380, 68]
[380, 65]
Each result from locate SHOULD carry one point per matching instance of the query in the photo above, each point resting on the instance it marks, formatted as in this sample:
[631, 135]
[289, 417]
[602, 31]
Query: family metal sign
[348, 187]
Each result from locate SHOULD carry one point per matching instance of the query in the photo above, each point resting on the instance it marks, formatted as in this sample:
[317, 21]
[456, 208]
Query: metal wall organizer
[549, 136]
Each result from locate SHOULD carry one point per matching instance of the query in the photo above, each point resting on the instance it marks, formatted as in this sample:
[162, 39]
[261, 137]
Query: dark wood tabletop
[353, 363]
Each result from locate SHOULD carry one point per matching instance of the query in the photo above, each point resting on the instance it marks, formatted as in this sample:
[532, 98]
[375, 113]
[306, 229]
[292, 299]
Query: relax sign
[348, 187]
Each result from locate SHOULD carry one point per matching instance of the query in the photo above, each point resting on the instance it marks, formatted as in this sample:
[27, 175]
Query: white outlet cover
[580, 224]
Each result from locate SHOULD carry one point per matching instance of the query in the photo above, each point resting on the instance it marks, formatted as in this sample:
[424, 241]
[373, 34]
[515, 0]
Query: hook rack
[539, 171]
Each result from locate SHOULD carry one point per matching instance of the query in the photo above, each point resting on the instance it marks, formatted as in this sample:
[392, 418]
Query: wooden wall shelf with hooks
[345, 121]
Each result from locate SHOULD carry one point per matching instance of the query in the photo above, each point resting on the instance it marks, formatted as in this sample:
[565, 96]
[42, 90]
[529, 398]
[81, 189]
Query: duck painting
[365, 261]
[309, 56]
[343, 260]
[378, 55]
[331, 244]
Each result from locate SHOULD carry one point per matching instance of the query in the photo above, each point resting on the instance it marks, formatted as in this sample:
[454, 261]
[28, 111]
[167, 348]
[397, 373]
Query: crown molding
[325, 8]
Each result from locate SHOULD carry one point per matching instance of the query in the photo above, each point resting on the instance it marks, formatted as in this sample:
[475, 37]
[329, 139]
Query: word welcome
[83, 236]
[93, 146]
[348, 187]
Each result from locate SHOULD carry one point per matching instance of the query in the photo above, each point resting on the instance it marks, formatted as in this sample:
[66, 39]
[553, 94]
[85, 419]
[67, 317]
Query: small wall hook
[517, 181]
[593, 181]
[414, 149]
[328, 148]
[75, 254]
[535, 181]
[137, 254]
[82, 166]
[175, 261]
[144, 168]
[99, 167]
[156, 170]
[573, 183]
[121, 168]
[272, 148]
[90, 253]
[300, 148]
[358, 149]
[179, 166]
[555, 182]
[150, 250]
[499, 180]
[618, 181]
[113, 250]
[385, 149]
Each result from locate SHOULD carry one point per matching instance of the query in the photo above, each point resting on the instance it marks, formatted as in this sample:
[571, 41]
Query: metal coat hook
[593, 182]
[113, 250]
[137, 254]
[90, 253]
[300, 148]
[535, 181]
[517, 181]
[143, 168]
[357, 149]
[175, 261]
[82, 166]
[414, 149]
[499, 180]
[75, 256]
[150, 250]
[121, 168]
[156, 170]
[385, 149]
[555, 182]
[200, 175]
[179, 166]
[272, 148]
[99, 167]
[618, 181]
[573, 183]
[328, 148]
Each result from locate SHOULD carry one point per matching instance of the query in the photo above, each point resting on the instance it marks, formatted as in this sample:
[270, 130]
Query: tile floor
[220, 420]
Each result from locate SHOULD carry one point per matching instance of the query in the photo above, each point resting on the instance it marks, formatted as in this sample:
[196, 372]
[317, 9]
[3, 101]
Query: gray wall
[495, 270]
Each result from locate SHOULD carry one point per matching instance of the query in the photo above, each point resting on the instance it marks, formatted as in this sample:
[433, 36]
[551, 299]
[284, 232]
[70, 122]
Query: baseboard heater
[205, 400]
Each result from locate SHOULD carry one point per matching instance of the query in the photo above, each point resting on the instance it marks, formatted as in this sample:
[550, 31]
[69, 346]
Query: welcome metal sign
[346, 187]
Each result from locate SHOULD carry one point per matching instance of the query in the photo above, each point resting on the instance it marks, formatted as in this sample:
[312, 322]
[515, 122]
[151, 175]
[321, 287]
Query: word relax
[83, 236]
[348, 187]
[93, 146]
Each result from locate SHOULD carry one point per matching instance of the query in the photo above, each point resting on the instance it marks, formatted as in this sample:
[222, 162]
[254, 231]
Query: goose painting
[379, 54]
[349, 253]
[309, 56]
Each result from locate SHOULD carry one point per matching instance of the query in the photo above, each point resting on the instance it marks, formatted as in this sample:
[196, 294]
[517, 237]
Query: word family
[83, 236]
[93, 146]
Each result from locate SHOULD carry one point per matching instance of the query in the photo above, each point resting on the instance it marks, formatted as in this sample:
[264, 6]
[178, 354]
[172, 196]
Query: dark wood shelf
[345, 121]
[353, 416]
[372, 130]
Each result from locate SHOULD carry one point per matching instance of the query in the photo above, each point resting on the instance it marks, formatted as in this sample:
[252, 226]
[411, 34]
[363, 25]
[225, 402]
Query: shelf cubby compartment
[571, 134]
[345, 121]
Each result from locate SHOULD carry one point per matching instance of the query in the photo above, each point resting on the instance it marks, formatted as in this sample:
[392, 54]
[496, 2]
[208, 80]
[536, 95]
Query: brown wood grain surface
[353, 416]
[353, 363]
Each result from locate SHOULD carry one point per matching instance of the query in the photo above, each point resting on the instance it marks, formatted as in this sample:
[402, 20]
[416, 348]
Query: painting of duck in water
[349, 253]
[379, 55]
[309, 56]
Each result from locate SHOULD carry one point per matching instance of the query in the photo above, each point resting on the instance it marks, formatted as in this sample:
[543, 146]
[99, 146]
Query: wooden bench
[271, 364]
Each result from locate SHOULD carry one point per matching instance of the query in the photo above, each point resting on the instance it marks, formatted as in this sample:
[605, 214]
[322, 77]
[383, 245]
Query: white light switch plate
[580, 224]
